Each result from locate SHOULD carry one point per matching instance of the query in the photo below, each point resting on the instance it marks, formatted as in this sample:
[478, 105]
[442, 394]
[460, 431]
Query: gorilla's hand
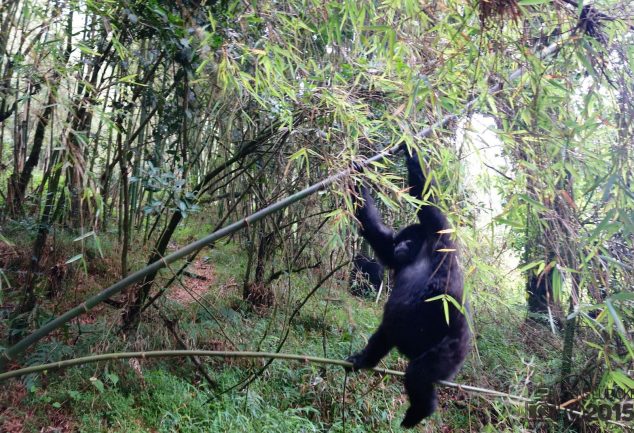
[359, 362]
[357, 186]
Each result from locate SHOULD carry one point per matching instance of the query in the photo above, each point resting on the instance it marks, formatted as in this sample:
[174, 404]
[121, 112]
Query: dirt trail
[197, 280]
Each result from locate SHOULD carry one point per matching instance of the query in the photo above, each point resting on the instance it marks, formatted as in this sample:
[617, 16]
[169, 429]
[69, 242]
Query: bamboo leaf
[84, 236]
[617, 320]
[532, 2]
[74, 259]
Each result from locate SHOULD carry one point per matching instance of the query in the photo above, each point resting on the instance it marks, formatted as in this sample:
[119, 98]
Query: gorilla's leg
[438, 363]
[422, 396]
[378, 346]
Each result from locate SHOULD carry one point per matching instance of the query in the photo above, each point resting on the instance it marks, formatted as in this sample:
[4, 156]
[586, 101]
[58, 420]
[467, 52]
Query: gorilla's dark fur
[366, 276]
[423, 258]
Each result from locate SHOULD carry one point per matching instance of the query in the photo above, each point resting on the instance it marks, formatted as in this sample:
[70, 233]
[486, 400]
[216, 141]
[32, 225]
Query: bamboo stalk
[511, 398]
[229, 354]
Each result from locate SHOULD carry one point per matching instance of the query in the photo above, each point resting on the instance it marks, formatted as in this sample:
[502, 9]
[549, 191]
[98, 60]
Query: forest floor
[196, 283]
[171, 395]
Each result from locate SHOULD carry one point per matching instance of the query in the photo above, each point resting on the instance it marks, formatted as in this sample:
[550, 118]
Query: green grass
[171, 396]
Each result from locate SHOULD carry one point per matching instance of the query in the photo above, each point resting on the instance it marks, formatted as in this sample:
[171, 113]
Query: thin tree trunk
[19, 181]
[258, 292]
[125, 207]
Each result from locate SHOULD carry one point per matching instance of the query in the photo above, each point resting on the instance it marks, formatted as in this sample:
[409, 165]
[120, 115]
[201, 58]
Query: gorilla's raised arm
[379, 236]
[429, 215]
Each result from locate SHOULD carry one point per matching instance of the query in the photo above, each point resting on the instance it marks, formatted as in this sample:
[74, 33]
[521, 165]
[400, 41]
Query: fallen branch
[515, 399]
[229, 354]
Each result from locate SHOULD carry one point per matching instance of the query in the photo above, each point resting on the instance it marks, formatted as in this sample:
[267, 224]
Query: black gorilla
[423, 257]
[366, 276]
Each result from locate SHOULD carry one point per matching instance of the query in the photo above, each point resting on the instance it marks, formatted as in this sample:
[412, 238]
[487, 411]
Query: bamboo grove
[123, 121]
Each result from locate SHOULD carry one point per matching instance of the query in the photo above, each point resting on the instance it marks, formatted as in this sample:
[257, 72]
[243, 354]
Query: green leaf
[97, 384]
[87, 50]
[623, 296]
[84, 236]
[98, 245]
[445, 304]
[130, 80]
[530, 265]
[586, 62]
[113, 378]
[621, 379]
[538, 205]
[532, 2]
[557, 282]
[617, 320]
[74, 258]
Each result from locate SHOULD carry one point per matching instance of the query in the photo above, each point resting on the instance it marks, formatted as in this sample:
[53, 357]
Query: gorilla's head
[407, 244]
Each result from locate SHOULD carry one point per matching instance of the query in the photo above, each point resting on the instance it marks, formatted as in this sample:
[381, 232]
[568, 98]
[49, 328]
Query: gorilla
[424, 316]
[366, 276]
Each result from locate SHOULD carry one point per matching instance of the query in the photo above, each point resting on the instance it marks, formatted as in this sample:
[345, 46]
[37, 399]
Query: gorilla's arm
[378, 346]
[380, 237]
[429, 216]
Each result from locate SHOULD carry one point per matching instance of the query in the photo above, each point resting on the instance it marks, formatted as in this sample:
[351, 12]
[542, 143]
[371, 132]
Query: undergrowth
[173, 396]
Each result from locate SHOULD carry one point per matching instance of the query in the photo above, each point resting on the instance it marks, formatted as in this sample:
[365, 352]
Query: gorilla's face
[407, 244]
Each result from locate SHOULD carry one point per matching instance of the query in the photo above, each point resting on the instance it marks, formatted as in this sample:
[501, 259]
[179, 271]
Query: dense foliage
[130, 128]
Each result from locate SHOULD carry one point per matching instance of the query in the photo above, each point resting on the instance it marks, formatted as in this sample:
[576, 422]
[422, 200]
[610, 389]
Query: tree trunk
[258, 293]
[19, 181]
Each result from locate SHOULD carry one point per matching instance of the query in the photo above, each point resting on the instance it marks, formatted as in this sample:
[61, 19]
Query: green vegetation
[130, 129]
[170, 396]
